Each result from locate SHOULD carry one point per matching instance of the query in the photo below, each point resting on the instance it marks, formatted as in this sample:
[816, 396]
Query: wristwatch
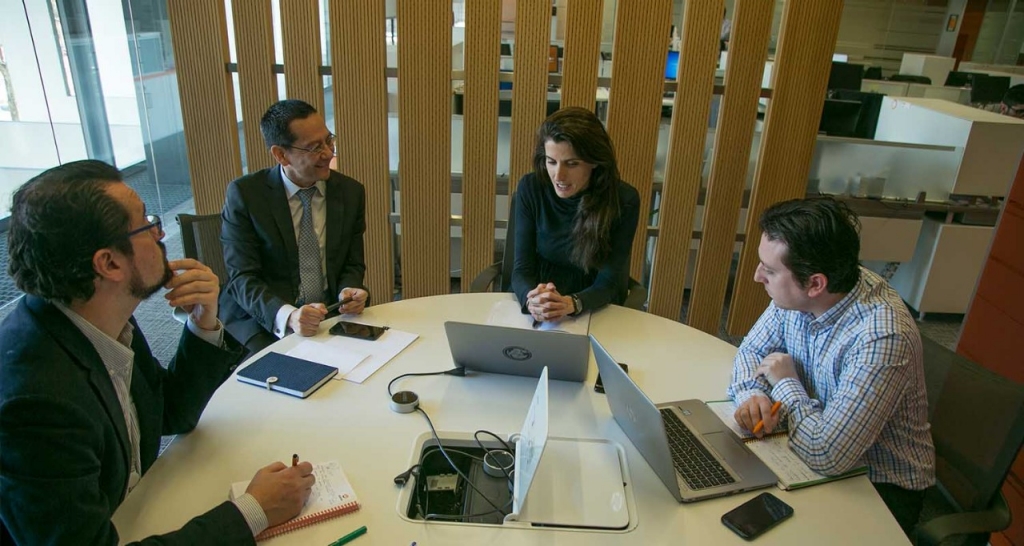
[577, 305]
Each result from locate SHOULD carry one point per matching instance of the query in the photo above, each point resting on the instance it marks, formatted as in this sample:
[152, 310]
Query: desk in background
[245, 428]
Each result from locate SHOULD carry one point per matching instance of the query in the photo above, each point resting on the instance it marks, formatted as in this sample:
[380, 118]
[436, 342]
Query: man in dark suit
[83, 403]
[292, 234]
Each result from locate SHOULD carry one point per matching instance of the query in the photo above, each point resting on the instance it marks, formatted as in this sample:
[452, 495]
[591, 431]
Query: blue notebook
[287, 374]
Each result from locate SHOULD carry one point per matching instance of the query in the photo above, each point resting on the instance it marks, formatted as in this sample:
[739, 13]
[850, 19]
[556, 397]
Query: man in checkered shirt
[839, 349]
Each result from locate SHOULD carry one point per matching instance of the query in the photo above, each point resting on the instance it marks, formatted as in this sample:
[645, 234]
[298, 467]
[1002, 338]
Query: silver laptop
[687, 445]
[516, 351]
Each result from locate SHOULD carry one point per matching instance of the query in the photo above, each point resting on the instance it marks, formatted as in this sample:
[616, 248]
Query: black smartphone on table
[752, 518]
[358, 331]
[599, 384]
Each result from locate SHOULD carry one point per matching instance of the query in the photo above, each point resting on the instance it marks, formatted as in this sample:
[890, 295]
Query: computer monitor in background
[873, 73]
[959, 79]
[845, 76]
[870, 106]
[672, 65]
[989, 89]
[506, 49]
[839, 118]
[840, 57]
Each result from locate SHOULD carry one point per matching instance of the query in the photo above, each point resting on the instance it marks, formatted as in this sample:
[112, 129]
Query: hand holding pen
[760, 424]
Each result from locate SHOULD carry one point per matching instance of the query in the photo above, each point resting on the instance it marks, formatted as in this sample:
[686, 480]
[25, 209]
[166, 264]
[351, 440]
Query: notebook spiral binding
[310, 519]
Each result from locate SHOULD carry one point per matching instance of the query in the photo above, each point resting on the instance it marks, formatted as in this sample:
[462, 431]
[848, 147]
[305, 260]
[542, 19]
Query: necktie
[311, 275]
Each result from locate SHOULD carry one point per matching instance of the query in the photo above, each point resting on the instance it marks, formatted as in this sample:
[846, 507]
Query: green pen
[350, 537]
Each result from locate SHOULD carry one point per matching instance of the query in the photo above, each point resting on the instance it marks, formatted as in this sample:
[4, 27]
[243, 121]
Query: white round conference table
[245, 428]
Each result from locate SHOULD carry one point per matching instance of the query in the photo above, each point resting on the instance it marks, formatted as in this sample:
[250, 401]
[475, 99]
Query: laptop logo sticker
[517, 353]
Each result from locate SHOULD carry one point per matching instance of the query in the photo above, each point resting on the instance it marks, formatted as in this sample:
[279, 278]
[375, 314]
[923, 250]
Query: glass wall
[90, 79]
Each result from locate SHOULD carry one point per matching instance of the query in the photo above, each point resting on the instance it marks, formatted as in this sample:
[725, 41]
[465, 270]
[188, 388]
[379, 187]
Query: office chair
[499, 274]
[910, 79]
[977, 421]
[200, 240]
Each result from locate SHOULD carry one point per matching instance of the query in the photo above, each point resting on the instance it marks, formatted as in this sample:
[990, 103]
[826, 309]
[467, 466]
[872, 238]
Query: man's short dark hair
[275, 121]
[822, 237]
[59, 219]
[1014, 96]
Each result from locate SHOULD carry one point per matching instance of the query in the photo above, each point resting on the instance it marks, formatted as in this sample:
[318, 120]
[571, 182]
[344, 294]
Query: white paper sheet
[509, 314]
[379, 352]
[328, 352]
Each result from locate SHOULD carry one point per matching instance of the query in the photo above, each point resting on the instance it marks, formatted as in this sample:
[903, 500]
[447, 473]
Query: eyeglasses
[320, 148]
[154, 222]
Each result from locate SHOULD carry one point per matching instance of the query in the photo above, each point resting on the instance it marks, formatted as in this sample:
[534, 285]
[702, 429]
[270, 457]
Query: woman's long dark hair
[599, 207]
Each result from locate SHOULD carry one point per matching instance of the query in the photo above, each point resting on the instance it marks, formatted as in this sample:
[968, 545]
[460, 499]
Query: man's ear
[109, 265]
[278, 153]
[817, 284]
[1003, 109]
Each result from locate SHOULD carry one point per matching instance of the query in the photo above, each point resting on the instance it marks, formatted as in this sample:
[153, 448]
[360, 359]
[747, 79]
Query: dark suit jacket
[262, 256]
[64, 448]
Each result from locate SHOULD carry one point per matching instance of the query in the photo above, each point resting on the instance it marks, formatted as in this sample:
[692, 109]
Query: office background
[435, 103]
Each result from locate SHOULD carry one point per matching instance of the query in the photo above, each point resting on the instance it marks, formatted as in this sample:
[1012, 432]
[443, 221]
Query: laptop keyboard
[692, 460]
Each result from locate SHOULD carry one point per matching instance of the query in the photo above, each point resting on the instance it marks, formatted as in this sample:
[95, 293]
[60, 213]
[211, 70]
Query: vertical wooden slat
[424, 144]
[582, 53]
[254, 39]
[748, 49]
[697, 58]
[529, 83]
[300, 35]
[358, 62]
[200, 42]
[480, 135]
[800, 77]
[634, 109]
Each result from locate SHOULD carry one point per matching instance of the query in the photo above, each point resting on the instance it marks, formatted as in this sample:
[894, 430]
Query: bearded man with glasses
[83, 403]
[292, 234]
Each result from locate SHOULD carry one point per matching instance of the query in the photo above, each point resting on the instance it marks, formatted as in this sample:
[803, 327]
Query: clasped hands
[306, 319]
[545, 303]
[774, 368]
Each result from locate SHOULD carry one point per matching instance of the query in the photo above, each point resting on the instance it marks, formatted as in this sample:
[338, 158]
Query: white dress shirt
[119, 360]
[319, 209]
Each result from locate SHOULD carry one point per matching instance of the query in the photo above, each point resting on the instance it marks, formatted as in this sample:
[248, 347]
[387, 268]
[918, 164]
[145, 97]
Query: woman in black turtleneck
[575, 221]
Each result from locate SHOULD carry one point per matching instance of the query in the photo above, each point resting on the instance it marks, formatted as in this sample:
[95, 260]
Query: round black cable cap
[498, 463]
[404, 402]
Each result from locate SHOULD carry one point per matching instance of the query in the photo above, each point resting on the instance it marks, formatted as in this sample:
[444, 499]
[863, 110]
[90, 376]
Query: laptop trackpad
[728, 447]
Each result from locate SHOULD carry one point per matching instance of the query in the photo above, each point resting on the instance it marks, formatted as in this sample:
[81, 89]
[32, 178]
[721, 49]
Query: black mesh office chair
[200, 240]
[977, 420]
[498, 275]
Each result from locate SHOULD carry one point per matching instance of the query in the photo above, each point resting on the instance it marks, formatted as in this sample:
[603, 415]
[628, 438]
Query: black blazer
[64, 448]
[262, 256]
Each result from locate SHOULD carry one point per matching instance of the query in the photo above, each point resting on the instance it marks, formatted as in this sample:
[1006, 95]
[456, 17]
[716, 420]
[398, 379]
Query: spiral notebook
[332, 496]
[773, 450]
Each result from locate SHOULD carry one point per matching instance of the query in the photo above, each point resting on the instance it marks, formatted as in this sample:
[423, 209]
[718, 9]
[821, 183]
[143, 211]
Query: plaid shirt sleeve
[764, 338]
[833, 440]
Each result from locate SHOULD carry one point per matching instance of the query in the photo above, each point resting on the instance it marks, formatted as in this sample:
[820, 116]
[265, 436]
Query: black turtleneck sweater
[543, 239]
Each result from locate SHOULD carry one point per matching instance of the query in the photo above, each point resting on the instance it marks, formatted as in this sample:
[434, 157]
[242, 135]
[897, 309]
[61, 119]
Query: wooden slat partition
[257, 83]
[480, 135]
[800, 77]
[358, 62]
[200, 41]
[582, 53]
[424, 144]
[529, 101]
[300, 34]
[748, 50]
[634, 110]
[688, 133]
